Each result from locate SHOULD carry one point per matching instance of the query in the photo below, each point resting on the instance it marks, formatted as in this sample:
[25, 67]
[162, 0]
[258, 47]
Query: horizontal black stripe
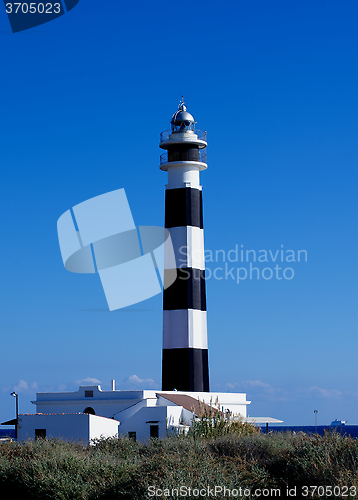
[183, 152]
[183, 207]
[185, 370]
[187, 291]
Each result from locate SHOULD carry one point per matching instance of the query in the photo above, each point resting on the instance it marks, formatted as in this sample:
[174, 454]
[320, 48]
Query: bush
[211, 455]
[211, 422]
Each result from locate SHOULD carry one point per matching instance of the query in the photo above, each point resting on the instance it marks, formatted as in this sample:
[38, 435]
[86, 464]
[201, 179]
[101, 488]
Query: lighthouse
[185, 346]
[90, 412]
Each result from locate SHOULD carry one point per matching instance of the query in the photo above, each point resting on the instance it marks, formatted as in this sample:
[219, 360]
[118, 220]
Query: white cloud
[255, 383]
[257, 388]
[325, 393]
[90, 380]
[247, 383]
[22, 387]
[135, 380]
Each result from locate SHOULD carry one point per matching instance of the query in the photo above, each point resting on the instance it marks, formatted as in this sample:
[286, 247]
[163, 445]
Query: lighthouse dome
[182, 116]
[182, 121]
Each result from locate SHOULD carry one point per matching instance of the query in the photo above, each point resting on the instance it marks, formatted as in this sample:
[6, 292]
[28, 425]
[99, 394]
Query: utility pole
[315, 419]
[15, 395]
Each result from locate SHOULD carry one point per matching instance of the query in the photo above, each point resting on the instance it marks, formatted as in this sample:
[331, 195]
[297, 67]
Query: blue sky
[84, 99]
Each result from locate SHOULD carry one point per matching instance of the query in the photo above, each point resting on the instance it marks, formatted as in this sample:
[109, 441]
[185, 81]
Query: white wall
[102, 427]
[68, 427]
[109, 403]
[162, 416]
[138, 423]
[97, 394]
[104, 403]
[233, 401]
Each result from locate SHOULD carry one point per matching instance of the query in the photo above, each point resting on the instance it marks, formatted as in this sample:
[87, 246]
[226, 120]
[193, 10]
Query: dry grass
[123, 469]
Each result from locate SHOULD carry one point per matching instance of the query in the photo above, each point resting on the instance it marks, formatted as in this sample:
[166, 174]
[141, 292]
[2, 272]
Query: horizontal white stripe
[185, 328]
[188, 244]
[180, 176]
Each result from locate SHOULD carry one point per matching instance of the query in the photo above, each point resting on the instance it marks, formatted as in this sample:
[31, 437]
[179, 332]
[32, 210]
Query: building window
[40, 433]
[88, 394]
[154, 431]
[132, 436]
[89, 410]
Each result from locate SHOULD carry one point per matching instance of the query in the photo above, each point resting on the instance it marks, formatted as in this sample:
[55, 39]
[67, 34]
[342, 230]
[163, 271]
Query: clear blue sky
[84, 98]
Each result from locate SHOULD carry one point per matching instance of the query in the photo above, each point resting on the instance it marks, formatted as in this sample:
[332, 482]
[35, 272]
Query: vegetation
[235, 457]
[214, 423]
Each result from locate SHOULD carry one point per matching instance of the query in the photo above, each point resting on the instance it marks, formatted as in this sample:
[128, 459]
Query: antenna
[182, 102]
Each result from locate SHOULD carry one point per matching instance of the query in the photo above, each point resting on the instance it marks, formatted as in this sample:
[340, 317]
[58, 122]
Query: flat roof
[262, 420]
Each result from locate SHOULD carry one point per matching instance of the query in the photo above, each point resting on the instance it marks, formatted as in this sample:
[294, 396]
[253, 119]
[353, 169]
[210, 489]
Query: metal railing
[164, 136]
[179, 157]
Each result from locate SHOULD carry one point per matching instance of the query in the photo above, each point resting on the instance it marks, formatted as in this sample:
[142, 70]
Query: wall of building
[97, 394]
[100, 427]
[234, 402]
[68, 427]
[104, 403]
[115, 403]
[141, 421]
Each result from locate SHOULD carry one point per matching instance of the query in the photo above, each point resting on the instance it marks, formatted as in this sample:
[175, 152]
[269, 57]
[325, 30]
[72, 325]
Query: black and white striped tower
[185, 345]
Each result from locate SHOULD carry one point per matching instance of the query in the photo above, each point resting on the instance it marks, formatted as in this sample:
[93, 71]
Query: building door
[154, 431]
[89, 410]
[40, 433]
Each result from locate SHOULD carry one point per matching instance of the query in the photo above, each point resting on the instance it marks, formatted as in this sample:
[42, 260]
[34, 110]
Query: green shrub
[120, 469]
[211, 422]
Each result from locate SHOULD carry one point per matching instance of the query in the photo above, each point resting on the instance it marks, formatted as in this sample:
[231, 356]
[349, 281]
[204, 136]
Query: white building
[123, 404]
[90, 412]
[81, 427]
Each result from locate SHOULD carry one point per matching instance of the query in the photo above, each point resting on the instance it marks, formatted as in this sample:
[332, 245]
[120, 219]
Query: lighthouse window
[88, 394]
